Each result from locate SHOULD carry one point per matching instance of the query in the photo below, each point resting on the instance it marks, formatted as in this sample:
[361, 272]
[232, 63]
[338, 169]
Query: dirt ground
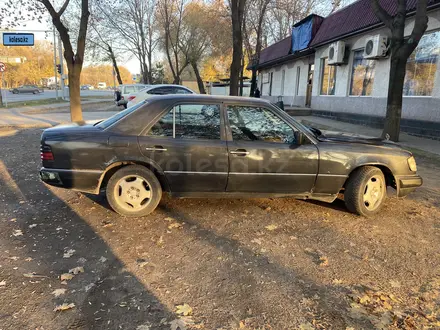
[227, 264]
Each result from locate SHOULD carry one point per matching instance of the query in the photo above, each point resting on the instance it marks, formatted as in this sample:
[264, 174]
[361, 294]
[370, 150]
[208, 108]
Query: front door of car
[188, 144]
[264, 156]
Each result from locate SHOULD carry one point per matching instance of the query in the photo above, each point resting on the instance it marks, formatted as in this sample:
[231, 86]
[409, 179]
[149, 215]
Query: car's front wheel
[134, 191]
[365, 191]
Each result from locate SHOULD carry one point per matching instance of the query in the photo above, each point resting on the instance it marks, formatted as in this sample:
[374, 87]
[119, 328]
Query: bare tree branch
[382, 14]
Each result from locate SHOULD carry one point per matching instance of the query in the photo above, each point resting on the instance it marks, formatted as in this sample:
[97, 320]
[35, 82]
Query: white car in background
[152, 90]
[123, 91]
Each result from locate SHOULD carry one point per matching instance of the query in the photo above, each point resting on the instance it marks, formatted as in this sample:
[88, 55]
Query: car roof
[209, 98]
[166, 85]
[135, 85]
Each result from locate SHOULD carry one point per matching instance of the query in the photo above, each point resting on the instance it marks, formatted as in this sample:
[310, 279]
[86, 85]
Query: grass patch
[33, 103]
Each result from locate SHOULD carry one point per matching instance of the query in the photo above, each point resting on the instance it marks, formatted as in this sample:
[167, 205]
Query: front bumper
[81, 180]
[407, 183]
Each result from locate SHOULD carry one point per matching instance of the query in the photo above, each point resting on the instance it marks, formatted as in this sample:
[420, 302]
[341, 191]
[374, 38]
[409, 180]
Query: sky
[132, 65]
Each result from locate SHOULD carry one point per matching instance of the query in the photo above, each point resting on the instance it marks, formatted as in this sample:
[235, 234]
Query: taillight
[130, 98]
[46, 153]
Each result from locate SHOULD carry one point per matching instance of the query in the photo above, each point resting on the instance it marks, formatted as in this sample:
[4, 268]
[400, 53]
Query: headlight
[412, 164]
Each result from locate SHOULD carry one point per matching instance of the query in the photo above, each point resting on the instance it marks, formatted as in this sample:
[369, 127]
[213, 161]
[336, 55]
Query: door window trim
[147, 128]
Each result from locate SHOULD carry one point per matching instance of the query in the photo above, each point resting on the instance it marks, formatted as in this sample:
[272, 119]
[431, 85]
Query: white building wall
[414, 107]
[290, 82]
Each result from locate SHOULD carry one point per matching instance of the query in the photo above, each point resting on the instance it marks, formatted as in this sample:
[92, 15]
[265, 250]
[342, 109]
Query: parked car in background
[26, 89]
[146, 93]
[102, 85]
[221, 146]
[87, 87]
[123, 91]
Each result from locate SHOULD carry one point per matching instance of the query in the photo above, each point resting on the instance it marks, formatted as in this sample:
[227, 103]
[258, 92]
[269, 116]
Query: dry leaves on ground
[58, 292]
[64, 307]
[76, 270]
[271, 227]
[66, 277]
[184, 309]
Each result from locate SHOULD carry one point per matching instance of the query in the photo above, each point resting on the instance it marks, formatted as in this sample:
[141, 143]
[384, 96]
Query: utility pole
[55, 62]
[60, 49]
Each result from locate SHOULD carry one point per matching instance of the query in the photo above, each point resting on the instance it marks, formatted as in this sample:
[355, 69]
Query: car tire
[133, 191]
[365, 191]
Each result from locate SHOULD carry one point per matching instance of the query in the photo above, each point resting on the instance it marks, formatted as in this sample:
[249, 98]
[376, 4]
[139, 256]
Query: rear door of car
[188, 144]
[263, 154]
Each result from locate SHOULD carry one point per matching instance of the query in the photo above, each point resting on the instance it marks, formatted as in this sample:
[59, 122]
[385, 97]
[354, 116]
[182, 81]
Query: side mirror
[299, 137]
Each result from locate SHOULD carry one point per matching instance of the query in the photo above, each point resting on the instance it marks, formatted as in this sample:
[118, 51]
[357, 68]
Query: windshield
[116, 117]
[301, 126]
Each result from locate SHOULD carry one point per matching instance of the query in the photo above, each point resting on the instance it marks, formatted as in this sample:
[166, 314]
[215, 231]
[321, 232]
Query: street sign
[2, 67]
[18, 39]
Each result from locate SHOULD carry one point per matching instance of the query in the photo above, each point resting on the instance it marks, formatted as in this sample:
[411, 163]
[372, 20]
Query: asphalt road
[49, 94]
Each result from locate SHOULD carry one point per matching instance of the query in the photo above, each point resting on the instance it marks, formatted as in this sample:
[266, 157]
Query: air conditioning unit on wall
[376, 47]
[336, 53]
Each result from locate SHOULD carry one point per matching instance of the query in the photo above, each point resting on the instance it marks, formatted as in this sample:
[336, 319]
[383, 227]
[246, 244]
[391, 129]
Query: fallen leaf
[33, 225]
[66, 277]
[337, 281]
[324, 261]
[174, 225]
[306, 326]
[76, 270]
[2, 283]
[64, 307]
[58, 292]
[33, 275]
[68, 253]
[271, 227]
[181, 323]
[28, 259]
[160, 241]
[169, 219]
[143, 327]
[17, 232]
[103, 259]
[395, 284]
[184, 309]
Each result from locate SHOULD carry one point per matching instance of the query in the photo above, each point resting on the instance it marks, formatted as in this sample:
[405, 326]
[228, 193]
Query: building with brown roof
[340, 69]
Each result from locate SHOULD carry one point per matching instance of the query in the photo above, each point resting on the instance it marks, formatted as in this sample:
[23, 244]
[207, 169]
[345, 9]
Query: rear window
[116, 117]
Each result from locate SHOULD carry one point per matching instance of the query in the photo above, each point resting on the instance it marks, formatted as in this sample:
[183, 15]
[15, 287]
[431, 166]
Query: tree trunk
[395, 97]
[115, 65]
[74, 92]
[241, 75]
[200, 82]
[237, 8]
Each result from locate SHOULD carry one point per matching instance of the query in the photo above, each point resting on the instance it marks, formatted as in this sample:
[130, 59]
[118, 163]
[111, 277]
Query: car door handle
[239, 152]
[156, 148]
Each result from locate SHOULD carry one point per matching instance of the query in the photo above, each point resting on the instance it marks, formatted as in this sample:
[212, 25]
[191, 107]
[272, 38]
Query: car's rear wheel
[134, 191]
[365, 191]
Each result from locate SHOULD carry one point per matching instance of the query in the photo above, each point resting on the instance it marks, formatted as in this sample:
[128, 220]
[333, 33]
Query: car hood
[332, 136]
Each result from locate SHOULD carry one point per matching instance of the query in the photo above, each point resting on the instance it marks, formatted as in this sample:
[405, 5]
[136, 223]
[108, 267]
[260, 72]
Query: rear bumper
[406, 184]
[121, 102]
[82, 180]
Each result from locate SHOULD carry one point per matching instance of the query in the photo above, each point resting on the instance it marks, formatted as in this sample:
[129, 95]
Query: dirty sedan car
[209, 146]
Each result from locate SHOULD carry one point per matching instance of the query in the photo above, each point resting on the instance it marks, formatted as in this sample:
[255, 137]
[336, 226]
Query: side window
[258, 124]
[164, 127]
[160, 91]
[178, 90]
[192, 121]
